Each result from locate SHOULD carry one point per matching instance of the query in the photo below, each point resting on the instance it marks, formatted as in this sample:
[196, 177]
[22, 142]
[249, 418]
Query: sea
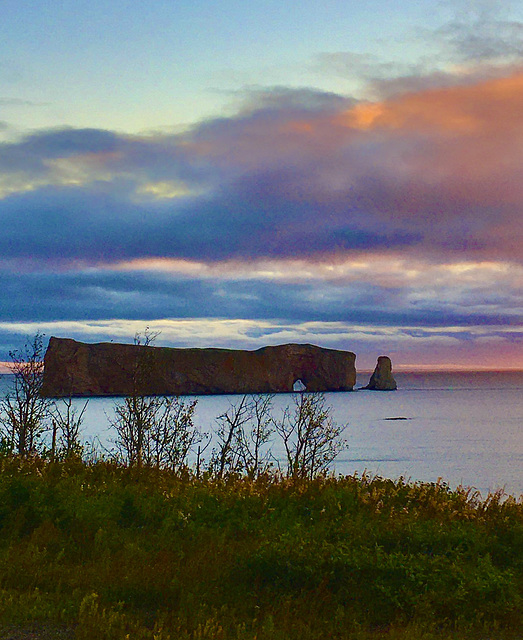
[464, 429]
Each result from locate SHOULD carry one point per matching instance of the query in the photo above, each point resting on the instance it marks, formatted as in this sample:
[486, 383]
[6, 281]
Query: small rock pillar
[382, 378]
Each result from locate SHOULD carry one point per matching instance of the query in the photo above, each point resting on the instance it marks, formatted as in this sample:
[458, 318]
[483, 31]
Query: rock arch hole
[299, 386]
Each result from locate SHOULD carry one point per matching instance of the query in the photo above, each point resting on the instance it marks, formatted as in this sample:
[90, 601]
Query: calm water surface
[464, 428]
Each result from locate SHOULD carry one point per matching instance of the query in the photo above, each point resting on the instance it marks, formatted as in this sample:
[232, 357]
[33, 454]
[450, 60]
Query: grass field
[103, 552]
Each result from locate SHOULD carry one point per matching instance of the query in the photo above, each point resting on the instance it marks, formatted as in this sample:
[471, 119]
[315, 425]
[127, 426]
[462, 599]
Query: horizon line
[398, 368]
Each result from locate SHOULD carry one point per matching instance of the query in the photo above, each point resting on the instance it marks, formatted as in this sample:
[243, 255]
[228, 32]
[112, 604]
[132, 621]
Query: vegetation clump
[105, 551]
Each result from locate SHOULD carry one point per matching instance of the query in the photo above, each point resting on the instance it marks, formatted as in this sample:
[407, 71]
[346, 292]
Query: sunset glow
[367, 199]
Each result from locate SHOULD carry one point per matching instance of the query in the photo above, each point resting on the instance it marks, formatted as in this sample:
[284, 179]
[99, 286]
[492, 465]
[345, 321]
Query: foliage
[23, 412]
[115, 552]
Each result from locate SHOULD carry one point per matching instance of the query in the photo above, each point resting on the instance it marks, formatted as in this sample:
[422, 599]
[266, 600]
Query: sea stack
[382, 378]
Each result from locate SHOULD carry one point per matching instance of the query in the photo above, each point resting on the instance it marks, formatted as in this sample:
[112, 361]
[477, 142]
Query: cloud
[433, 173]
[483, 31]
[19, 102]
[448, 347]
[294, 102]
[401, 216]
[455, 296]
[382, 78]
[479, 40]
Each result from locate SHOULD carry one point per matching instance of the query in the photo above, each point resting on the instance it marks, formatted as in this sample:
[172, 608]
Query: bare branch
[310, 436]
[23, 412]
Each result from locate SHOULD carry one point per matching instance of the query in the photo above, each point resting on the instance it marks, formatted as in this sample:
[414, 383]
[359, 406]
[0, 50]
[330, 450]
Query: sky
[233, 174]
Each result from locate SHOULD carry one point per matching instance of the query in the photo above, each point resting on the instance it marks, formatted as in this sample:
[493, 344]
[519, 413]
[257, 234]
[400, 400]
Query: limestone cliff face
[105, 369]
[382, 378]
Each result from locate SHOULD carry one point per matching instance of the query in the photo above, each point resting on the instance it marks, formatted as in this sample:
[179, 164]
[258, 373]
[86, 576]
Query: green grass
[103, 552]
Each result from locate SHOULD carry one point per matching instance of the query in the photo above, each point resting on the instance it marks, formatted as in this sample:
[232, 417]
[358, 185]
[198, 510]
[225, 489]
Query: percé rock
[108, 369]
[382, 378]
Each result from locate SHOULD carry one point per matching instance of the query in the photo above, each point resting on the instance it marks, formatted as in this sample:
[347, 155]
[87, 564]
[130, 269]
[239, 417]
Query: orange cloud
[468, 109]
